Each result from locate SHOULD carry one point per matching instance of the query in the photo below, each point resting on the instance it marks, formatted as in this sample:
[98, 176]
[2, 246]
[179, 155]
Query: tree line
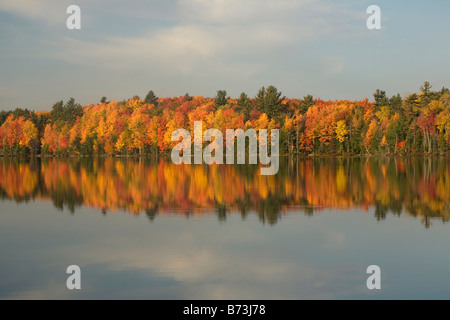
[417, 124]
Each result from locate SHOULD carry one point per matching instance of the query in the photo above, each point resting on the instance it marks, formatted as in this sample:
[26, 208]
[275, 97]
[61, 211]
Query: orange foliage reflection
[416, 186]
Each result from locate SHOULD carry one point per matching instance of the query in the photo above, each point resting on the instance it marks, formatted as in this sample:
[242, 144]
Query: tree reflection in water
[419, 187]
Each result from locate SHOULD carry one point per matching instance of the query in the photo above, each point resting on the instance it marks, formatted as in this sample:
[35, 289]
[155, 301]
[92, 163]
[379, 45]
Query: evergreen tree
[66, 113]
[411, 106]
[243, 98]
[395, 103]
[418, 141]
[57, 112]
[444, 90]
[356, 134]
[245, 106]
[391, 137]
[273, 102]
[426, 94]
[187, 97]
[72, 111]
[19, 112]
[380, 99]
[375, 143]
[307, 102]
[269, 101]
[151, 98]
[220, 99]
[260, 99]
[3, 116]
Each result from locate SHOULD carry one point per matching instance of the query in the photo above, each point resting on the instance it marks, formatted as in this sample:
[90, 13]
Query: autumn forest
[416, 124]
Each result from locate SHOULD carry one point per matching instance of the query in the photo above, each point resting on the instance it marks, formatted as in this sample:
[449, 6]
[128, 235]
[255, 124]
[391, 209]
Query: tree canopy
[420, 123]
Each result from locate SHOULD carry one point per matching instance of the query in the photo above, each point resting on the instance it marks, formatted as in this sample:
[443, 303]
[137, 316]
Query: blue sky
[302, 47]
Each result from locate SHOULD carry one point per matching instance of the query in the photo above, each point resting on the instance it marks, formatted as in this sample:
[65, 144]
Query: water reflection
[419, 187]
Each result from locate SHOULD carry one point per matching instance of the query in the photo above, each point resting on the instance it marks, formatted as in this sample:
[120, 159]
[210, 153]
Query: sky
[173, 47]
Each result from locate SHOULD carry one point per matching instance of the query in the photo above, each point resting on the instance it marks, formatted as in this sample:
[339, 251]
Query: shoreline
[310, 156]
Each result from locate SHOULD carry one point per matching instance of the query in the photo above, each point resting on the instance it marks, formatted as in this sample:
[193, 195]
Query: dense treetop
[420, 123]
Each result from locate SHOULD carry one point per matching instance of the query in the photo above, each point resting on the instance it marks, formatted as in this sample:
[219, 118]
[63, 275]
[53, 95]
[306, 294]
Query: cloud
[211, 37]
[179, 45]
[217, 269]
[239, 11]
[194, 259]
[44, 10]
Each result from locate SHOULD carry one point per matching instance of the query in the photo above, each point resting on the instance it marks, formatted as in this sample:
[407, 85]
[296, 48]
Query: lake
[149, 229]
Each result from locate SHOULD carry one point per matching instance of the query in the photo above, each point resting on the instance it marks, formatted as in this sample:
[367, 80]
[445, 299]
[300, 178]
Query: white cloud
[189, 44]
[44, 10]
[216, 269]
[239, 35]
[243, 35]
[239, 11]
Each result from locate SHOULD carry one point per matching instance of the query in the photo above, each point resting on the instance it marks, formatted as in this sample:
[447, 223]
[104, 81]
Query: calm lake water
[147, 229]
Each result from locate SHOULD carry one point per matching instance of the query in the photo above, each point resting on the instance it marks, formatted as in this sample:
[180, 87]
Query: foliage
[420, 123]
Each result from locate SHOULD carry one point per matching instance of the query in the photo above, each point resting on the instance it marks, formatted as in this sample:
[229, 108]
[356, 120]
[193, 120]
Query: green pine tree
[151, 98]
[221, 98]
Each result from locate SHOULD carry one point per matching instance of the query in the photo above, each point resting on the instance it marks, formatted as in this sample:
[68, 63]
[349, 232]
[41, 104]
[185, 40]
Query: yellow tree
[171, 127]
[341, 132]
[29, 135]
[262, 122]
[124, 142]
[138, 125]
